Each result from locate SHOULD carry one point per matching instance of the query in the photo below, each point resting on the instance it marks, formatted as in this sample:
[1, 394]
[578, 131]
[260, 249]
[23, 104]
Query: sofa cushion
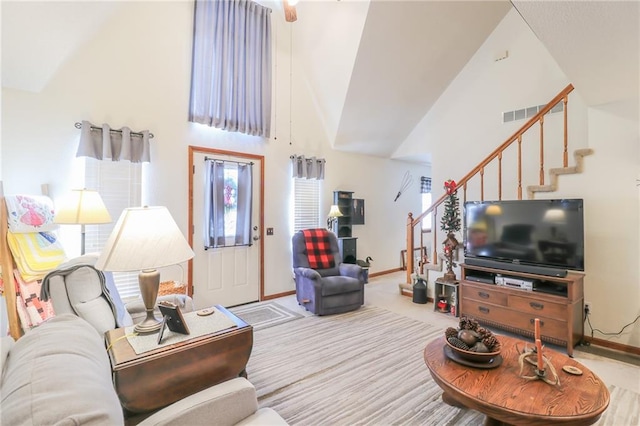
[5, 346]
[223, 404]
[263, 417]
[59, 373]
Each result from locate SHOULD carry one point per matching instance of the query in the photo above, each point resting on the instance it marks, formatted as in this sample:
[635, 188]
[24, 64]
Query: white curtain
[231, 66]
[307, 168]
[214, 203]
[102, 142]
[243, 217]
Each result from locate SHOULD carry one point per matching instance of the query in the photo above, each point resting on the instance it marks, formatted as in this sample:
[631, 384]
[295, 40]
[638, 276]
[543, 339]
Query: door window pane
[230, 201]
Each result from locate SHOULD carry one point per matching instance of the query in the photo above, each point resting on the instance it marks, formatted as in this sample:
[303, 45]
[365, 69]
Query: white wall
[465, 126]
[136, 73]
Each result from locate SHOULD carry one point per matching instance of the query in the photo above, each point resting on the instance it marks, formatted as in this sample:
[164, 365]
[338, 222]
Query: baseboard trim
[612, 345]
[275, 296]
[386, 272]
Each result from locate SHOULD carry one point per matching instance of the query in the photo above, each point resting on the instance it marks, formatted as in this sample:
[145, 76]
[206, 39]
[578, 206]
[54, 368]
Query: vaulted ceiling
[375, 67]
[399, 56]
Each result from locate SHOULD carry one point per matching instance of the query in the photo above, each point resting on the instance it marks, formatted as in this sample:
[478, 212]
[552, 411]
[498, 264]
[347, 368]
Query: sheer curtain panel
[115, 144]
[231, 66]
[228, 203]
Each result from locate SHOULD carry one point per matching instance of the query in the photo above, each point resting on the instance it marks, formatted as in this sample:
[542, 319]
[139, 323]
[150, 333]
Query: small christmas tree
[450, 223]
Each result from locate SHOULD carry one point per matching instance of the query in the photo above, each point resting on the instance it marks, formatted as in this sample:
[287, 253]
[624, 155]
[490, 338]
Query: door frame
[193, 150]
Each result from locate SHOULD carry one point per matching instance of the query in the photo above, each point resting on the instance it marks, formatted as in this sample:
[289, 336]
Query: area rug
[265, 314]
[365, 367]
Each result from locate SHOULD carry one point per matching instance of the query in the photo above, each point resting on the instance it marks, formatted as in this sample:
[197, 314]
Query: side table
[448, 292]
[154, 379]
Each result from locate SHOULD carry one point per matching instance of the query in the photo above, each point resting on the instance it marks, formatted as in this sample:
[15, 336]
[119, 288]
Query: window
[426, 203]
[306, 211]
[425, 192]
[230, 201]
[120, 185]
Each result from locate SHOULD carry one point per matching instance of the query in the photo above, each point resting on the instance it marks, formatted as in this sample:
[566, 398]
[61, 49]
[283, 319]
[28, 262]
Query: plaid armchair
[324, 285]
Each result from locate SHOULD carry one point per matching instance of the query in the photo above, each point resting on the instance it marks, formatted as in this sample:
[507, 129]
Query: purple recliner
[326, 291]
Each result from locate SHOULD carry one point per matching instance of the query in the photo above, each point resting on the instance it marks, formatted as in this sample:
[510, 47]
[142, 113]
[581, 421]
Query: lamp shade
[335, 211]
[82, 206]
[144, 238]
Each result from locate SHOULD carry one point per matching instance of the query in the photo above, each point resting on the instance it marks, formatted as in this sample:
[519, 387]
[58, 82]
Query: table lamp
[82, 207]
[334, 214]
[144, 239]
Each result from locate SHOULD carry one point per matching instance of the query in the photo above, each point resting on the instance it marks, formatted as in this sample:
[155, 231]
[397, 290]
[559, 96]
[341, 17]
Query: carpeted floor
[264, 314]
[366, 368]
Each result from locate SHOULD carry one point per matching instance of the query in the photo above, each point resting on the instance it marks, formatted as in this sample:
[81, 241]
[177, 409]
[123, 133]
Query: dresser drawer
[538, 307]
[482, 310]
[484, 293]
[511, 319]
[548, 327]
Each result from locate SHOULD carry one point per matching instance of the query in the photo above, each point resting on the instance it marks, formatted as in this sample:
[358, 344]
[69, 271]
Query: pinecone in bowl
[472, 342]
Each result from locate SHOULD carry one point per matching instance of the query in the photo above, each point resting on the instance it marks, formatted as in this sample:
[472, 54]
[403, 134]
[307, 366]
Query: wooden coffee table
[506, 398]
[154, 379]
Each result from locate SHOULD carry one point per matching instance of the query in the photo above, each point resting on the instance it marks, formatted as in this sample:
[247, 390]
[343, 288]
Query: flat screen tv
[539, 236]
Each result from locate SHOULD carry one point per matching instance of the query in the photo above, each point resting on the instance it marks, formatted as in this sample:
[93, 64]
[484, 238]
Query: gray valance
[307, 168]
[103, 142]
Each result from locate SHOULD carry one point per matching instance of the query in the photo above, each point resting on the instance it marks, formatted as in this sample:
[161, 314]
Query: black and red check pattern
[318, 248]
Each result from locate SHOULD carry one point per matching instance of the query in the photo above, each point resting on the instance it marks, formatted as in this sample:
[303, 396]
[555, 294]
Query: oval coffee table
[506, 398]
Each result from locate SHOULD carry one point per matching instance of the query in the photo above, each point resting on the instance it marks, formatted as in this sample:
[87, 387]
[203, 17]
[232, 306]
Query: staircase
[578, 156]
[516, 140]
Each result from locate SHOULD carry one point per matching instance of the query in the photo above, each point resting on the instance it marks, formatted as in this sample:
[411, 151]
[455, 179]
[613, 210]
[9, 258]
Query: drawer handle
[533, 321]
[483, 309]
[536, 305]
[483, 294]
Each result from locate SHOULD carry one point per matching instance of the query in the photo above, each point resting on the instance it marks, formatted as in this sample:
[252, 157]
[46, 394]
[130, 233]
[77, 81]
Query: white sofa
[59, 374]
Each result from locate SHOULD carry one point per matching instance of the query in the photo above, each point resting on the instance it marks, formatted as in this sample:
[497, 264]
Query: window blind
[306, 204]
[120, 185]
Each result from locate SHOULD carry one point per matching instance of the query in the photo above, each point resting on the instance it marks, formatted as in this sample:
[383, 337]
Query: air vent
[525, 113]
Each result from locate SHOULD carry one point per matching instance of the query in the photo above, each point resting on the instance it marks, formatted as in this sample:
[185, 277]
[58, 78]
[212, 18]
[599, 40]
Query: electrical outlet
[587, 308]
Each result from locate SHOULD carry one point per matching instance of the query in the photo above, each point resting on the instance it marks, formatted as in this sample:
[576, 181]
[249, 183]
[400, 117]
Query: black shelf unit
[342, 226]
[348, 249]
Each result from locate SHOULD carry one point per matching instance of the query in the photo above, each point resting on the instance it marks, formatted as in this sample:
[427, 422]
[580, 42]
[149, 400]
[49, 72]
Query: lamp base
[148, 325]
[149, 281]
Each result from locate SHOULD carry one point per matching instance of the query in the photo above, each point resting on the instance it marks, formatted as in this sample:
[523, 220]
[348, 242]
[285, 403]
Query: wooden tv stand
[558, 302]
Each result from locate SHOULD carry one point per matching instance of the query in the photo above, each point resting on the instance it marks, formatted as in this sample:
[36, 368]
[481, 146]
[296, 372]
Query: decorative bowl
[480, 357]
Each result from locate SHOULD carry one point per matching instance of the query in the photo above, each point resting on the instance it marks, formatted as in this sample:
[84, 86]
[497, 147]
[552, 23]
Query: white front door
[226, 276]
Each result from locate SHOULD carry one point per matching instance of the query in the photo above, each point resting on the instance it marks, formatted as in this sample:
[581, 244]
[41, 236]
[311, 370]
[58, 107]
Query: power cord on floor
[135, 333]
[593, 330]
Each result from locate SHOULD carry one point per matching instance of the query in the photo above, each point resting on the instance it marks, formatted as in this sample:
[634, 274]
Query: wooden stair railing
[497, 154]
